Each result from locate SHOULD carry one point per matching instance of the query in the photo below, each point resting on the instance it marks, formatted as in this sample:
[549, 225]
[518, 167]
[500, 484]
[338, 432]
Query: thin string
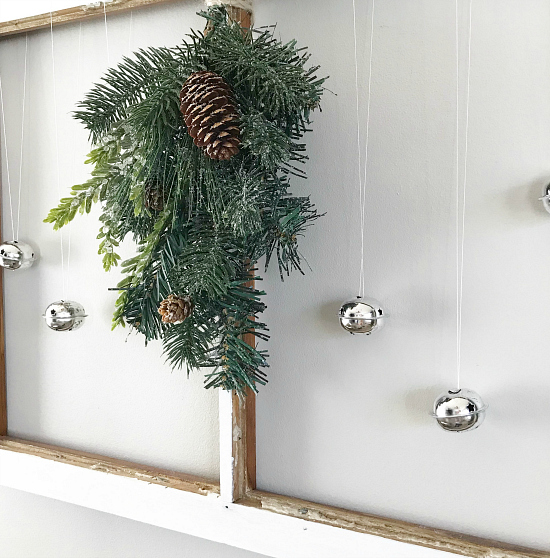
[106, 32]
[22, 137]
[361, 271]
[460, 240]
[7, 158]
[362, 182]
[457, 206]
[57, 151]
[78, 64]
[367, 146]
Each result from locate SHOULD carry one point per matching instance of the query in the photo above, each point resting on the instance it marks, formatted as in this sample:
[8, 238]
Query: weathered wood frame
[330, 529]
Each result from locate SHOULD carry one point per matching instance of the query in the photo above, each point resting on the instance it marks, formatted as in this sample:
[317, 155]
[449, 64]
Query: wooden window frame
[230, 511]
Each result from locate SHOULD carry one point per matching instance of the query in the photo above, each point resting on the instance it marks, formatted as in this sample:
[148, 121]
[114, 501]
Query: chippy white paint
[208, 517]
[226, 446]
[27, 8]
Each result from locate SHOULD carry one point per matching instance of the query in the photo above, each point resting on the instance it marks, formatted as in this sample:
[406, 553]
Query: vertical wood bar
[243, 409]
[244, 434]
[244, 444]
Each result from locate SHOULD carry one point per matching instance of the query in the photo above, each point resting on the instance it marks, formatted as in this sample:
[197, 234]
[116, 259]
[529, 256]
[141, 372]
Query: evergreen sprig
[219, 218]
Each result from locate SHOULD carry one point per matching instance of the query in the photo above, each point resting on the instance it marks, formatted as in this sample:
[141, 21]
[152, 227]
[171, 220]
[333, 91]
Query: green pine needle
[218, 218]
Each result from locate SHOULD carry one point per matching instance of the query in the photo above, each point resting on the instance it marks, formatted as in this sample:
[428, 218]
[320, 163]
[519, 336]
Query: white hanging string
[367, 150]
[359, 174]
[106, 32]
[7, 158]
[57, 151]
[460, 231]
[75, 165]
[362, 181]
[22, 138]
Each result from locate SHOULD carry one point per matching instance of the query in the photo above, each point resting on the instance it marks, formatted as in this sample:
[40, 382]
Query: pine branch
[127, 84]
[217, 218]
[239, 365]
[291, 218]
[147, 284]
[107, 247]
[204, 267]
[189, 344]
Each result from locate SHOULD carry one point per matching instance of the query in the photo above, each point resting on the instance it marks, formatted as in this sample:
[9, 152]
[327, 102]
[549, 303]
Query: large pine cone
[175, 309]
[210, 114]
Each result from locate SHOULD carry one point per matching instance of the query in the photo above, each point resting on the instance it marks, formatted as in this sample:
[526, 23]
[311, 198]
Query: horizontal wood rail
[154, 475]
[394, 529]
[69, 15]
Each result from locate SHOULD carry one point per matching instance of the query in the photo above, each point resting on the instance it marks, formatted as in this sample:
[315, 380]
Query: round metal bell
[16, 255]
[64, 315]
[459, 410]
[361, 316]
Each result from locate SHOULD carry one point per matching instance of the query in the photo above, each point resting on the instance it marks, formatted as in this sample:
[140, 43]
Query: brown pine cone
[210, 114]
[175, 309]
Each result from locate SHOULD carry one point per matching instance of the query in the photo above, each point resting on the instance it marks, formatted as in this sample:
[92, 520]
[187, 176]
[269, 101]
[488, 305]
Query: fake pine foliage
[215, 219]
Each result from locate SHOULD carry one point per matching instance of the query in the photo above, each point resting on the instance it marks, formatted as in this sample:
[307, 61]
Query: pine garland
[217, 218]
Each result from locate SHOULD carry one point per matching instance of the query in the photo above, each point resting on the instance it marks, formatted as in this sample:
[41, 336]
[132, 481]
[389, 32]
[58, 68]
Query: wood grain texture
[154, 475]
[69, 15]
[388, 528]
[240, 16]
[244, 444]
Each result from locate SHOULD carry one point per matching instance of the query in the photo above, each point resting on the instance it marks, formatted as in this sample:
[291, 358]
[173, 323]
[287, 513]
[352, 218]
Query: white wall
[344, 419]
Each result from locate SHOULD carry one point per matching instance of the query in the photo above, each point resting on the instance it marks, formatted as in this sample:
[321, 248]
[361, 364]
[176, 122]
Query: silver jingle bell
[361, 316]
[64, 315]
[459, 410]
[16, 255]
[546, 197]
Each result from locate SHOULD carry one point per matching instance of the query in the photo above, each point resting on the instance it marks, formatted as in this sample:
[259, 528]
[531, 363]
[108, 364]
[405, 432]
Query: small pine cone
[210, 114]
[175, 309]
[154, 195]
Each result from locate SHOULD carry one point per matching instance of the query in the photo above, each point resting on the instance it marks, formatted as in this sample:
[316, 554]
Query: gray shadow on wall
[519, 407]
[522, 204]
[417, 404]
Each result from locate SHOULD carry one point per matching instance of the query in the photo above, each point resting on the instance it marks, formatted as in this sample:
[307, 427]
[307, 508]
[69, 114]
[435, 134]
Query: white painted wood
[27, 8]
[202, 516]
[36, 527]
[225, 418]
